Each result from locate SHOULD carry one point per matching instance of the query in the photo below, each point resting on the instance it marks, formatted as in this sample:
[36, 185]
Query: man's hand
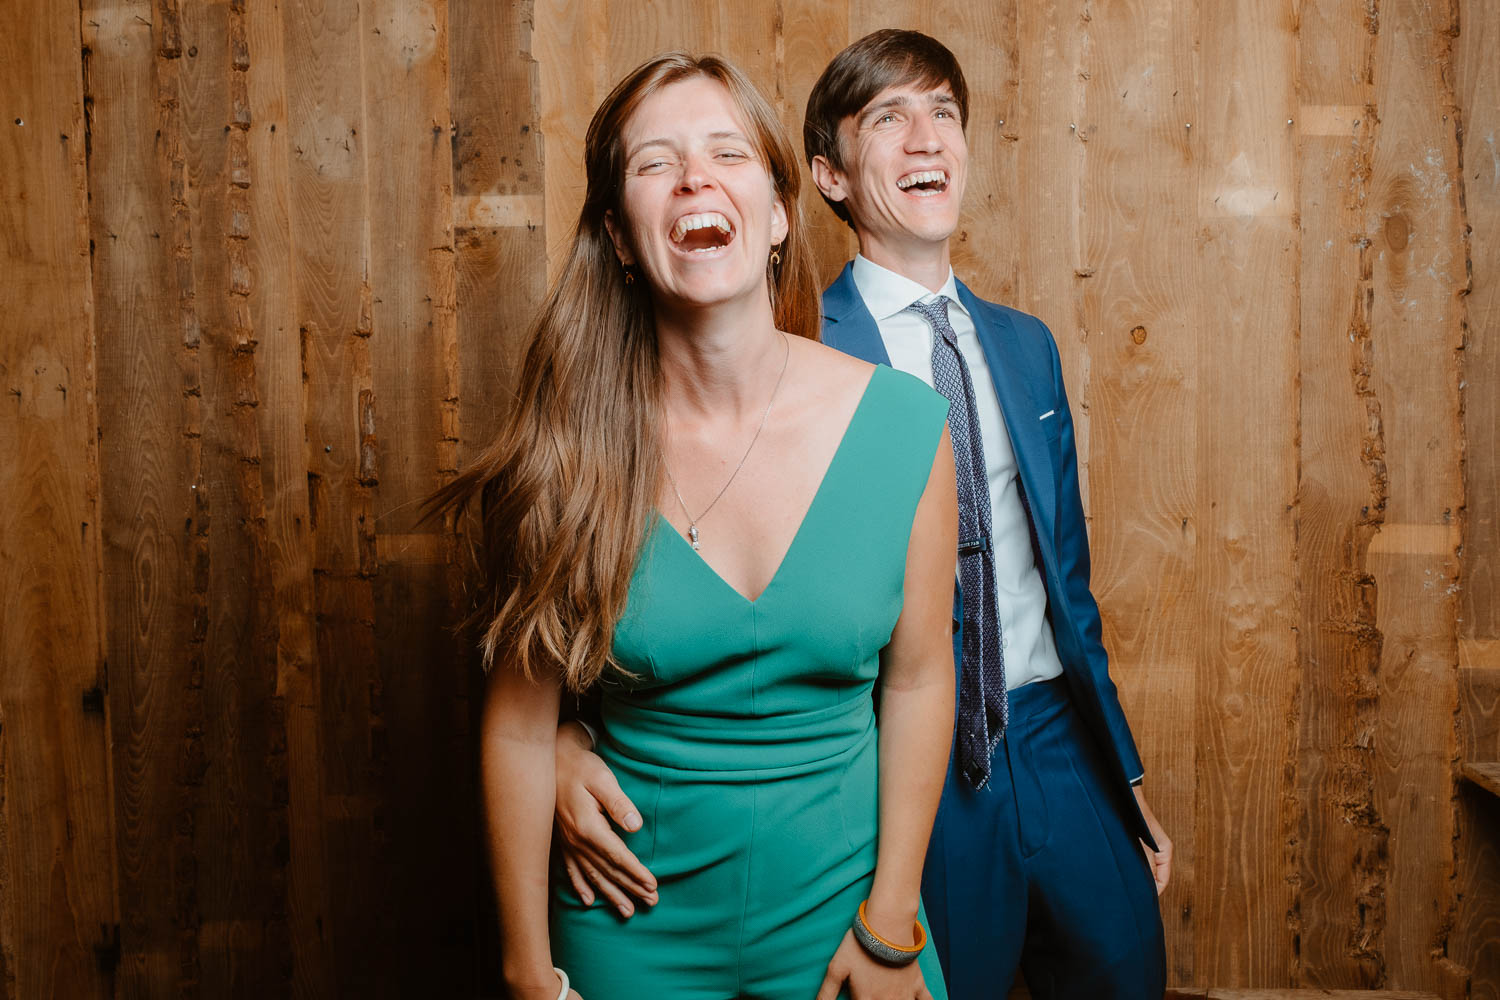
[1161, 858]
[588, 797]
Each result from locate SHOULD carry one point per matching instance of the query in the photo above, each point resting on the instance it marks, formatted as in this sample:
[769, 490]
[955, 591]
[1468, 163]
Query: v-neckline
[786, 556]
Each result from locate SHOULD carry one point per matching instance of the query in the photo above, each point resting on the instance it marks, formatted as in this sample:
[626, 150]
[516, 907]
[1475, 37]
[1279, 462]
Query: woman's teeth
[703, 220]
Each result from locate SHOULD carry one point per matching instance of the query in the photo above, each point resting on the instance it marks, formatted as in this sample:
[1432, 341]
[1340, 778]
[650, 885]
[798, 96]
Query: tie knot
[936, 313]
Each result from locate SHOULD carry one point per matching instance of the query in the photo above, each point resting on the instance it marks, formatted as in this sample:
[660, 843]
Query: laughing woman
[733, 533]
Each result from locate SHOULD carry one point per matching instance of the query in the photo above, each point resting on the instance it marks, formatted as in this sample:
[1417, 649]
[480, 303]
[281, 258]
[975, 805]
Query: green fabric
[746, 736]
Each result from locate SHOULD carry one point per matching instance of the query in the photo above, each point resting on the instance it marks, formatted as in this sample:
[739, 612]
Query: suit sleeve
[1074, 569]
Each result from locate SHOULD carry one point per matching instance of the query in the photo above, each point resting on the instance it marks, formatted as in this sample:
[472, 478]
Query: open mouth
[703, 232]
[924, 183]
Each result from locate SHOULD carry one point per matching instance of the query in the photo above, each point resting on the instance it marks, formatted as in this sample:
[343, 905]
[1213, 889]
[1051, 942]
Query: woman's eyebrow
[635, 150]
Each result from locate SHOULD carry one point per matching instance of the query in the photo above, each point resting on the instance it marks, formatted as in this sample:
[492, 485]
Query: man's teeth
[703, 220]
[922, 177]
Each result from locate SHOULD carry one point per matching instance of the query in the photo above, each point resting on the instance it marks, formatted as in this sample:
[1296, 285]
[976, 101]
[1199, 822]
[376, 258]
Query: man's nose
[923, 136]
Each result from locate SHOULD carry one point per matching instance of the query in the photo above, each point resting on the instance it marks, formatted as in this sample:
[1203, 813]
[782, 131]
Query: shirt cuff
[1134, 783]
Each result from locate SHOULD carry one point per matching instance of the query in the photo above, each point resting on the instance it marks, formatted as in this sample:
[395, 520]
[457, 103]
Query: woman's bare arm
[517, 732]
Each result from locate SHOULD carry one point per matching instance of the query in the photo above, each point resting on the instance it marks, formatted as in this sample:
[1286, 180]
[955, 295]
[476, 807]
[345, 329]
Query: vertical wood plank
[155, 568]
[243, 947]
[813, 32]
[1413, 223]
[1246, 485]
[574, 75]
[295, 771]
[329, 237]
[58, 908]
[500, 237]
[411, 423]
[1341, 840]
[1475, 942]
[1142, 318]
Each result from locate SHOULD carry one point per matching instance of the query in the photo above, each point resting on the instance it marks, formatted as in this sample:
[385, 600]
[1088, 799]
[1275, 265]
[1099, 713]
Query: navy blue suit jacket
[1027, 375]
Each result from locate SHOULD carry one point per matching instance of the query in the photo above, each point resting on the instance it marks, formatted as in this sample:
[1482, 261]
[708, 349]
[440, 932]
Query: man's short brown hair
[890, 57]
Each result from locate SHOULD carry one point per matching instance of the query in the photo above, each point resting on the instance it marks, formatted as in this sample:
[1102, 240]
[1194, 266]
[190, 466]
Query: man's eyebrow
[875, 107]
[901, 101]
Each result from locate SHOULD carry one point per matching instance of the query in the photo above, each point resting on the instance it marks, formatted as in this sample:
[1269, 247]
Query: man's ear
[617, 237]
[779, 224]
[829, 179]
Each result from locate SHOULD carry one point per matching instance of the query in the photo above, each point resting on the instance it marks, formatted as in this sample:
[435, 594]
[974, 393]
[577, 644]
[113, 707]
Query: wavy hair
[567, 487]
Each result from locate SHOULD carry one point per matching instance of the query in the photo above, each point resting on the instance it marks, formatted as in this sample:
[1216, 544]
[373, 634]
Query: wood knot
[1397, 231]
[1138, 334]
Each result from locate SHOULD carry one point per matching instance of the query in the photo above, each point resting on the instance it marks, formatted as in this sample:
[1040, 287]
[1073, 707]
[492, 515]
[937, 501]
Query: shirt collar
[887, 293]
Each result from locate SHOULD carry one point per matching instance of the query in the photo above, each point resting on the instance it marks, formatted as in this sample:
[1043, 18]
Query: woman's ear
[617, 237]
[779, 225]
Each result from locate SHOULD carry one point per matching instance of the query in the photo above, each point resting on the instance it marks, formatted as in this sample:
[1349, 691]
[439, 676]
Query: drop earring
[776, 255]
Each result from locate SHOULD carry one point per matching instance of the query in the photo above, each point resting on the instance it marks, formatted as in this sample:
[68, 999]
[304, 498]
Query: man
[1043, 857]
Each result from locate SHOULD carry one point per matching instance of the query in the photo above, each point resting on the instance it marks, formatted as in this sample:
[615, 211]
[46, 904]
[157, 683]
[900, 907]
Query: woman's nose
[696, 174]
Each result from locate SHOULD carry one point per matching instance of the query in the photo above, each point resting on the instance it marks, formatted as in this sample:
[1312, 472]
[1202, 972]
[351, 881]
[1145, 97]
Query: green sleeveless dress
[746, 736]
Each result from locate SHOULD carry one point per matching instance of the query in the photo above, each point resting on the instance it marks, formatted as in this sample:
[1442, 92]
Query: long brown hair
[568, 484]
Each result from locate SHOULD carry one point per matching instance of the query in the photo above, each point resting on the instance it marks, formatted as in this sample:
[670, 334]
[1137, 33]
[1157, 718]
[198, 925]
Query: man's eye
[944, 113]
[885, 118]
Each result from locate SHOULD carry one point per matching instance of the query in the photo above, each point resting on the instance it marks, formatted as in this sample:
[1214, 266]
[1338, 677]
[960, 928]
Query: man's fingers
[609, 890]
[603, 786]
[580, 884]
[625, 878]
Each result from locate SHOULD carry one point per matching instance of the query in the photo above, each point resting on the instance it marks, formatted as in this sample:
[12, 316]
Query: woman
[732, 532]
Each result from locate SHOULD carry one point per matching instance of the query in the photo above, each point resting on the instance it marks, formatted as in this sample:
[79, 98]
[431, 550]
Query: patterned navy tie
[983, 709]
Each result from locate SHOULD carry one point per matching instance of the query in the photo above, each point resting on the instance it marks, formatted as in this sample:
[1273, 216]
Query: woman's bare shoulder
[838, 373]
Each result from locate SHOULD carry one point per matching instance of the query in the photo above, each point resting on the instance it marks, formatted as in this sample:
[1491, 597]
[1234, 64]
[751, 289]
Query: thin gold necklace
[693, 521]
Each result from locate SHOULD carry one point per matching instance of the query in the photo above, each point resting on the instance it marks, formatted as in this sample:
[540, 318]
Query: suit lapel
[847, 323]
[1020, 407]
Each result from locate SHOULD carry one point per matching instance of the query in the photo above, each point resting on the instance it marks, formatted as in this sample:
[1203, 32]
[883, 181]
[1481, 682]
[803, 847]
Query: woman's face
[700, 211]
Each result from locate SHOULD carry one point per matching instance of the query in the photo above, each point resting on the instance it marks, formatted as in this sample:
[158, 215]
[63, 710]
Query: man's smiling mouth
[702, 232]
[924, 183]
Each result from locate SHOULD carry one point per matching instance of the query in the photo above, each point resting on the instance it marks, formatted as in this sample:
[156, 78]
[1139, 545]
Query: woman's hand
[588, 797]
[869, 979]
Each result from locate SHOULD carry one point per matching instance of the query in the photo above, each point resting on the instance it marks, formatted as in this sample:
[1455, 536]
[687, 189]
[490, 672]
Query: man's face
[905, 163]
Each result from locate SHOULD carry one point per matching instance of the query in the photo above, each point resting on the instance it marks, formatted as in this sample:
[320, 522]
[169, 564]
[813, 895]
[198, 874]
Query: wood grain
[155, 571]
[58, 908]
[1341, 838]
[294, 766]
[329, 236]
[1416, 278]
[1246, 489]
[1264, 235]
[1475, 940]
[1139, 386]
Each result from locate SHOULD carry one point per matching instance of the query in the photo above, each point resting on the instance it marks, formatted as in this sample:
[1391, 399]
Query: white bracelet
[562, 994]
[593, 736]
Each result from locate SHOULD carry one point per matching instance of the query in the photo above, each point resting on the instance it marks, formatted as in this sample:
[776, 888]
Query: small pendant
[693, 536]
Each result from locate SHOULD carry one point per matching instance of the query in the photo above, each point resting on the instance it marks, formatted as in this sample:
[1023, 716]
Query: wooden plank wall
[266, 270]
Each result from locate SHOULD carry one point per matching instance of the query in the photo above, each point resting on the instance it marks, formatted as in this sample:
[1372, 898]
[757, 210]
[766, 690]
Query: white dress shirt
[1027, 643]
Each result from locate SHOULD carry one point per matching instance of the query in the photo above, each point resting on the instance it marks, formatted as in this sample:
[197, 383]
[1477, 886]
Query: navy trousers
[1039, 870]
